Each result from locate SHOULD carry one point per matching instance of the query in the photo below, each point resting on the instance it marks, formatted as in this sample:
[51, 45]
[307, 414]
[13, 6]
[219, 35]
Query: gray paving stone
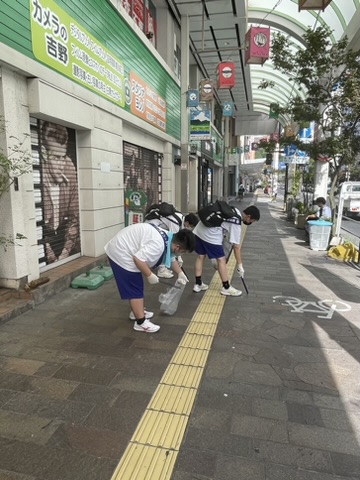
[262, 428]
[286, 454]
[196, 463]
[274, 409]
[5, 395]
[238, 387]
[235, 468]
[95, 442]
[257, 373]
[280, 472]
[323, 438]
[199, 439]
[44, 407]
[85, 375]
[304, 414]
[347, 465]
[211, 419]
[94, 394]
[51, 463]
[27, 428]
[14, 476]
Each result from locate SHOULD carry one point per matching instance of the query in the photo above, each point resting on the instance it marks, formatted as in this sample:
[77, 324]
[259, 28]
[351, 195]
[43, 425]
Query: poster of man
[59, 188]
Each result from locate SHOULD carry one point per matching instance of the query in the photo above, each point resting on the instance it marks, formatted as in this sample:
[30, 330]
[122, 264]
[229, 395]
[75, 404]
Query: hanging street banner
[228, 109]
[200, 125]
[272, 112]
[225, 75]
[192, 98]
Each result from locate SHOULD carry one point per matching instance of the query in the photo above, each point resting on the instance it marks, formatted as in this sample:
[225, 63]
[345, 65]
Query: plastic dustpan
[105, 272]
[92, 281]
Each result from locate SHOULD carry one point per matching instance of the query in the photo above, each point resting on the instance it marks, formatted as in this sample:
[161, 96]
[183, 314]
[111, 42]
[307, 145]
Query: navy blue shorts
[130, 284]
[206, 248]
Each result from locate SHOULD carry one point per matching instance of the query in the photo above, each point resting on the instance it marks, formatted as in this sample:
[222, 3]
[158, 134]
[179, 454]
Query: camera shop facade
[96, 116]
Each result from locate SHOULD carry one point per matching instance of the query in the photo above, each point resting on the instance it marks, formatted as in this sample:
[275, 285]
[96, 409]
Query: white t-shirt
[214, 235]
[140, 240]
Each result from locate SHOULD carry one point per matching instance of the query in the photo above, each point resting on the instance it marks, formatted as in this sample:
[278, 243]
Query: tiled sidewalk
[279, 397]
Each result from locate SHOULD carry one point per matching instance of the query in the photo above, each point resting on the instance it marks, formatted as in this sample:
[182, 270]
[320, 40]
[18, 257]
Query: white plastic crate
[319, 233]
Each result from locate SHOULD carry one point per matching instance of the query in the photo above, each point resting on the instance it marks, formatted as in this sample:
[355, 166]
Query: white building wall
[101, 129]
[17, 207]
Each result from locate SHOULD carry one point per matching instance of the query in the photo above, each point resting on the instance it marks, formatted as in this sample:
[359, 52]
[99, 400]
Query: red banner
[226, 75]
[257, 42]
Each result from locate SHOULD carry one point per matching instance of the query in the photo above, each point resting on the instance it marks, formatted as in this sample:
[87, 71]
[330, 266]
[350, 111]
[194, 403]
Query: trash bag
[169, 301]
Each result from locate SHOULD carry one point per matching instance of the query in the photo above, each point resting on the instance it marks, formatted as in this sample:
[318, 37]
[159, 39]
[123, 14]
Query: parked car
[350, 191]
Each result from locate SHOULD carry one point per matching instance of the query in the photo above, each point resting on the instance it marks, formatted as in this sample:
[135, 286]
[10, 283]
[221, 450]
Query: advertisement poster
[200, 125]
[62, 44]
[146, 103]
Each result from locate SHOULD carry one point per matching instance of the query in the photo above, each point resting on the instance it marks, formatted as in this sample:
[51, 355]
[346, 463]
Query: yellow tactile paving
[143, 462]
[201, 328]
[196, 341]
[153, 449]
[161, 429]
[203, 317]
[172, 399]
[182, 376]
[189, 356]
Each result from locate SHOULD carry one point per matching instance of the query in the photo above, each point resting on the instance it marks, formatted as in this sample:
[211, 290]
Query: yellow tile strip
[153, 449]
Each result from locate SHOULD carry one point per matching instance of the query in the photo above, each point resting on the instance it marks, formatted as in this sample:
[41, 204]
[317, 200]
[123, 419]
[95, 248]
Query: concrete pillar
[185, 33]
[321, 179]
[226, 156]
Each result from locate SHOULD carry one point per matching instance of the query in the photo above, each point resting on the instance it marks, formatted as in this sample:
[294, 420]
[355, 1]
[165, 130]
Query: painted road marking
[326, 307]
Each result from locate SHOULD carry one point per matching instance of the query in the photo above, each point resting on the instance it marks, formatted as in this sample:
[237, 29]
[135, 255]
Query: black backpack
[214, 214]
[164, 209]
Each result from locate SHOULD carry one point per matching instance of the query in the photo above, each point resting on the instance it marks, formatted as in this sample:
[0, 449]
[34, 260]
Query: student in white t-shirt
[209, 242]
[133, 252]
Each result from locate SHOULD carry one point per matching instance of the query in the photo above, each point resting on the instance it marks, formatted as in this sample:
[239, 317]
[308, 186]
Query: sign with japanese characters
[64, 45]
[146, 103]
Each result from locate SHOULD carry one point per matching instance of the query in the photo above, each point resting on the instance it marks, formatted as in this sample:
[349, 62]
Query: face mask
[246, 222]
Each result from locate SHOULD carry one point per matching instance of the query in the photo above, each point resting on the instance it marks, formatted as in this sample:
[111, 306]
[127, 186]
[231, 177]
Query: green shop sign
[62, 44]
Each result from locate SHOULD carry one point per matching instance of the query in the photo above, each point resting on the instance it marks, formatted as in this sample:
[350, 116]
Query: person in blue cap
[133, 252]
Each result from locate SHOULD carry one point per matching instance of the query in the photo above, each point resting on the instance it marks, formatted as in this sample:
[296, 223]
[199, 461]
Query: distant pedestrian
[209, 242]
[241, 191]
[133, 252]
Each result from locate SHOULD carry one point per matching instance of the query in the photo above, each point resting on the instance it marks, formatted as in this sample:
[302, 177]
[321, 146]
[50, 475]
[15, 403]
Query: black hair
[320, 200]
[192, 219]
[253, 212]
[185, 239]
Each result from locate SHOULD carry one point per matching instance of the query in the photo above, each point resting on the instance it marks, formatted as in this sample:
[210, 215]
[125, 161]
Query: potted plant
[300, 215]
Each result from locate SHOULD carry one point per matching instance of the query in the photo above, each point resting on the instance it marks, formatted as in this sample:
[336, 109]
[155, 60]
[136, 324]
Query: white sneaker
[200, 288]
[148, 315]
[231, 291]
[164, 272]
[147, 327]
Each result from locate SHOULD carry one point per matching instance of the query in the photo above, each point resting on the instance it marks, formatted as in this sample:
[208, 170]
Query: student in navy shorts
[133, 252]
[209, 242]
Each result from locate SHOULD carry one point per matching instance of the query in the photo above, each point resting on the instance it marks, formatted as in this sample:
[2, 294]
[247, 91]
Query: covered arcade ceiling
[217, 34]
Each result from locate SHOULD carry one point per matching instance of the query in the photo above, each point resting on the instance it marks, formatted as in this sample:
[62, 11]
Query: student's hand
[240, 270]
[152, 279]
[182, 278]
[180, 261]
